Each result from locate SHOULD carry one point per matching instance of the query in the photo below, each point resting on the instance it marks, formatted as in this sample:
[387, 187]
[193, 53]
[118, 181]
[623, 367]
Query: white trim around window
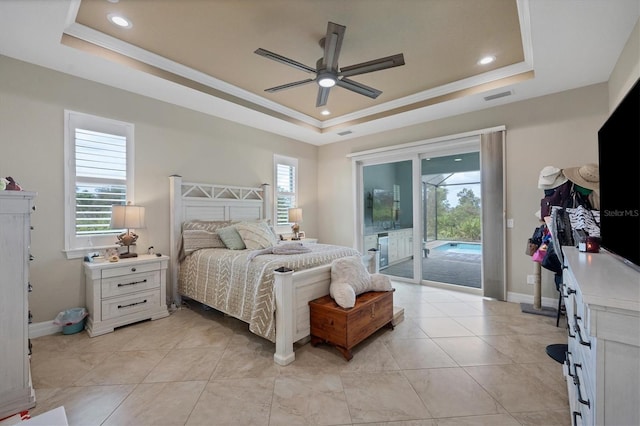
[108, 171]
[285, 196]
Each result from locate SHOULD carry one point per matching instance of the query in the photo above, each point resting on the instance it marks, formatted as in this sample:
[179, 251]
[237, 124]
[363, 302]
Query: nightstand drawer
[131, 283]
[126, 305]
[129, 269]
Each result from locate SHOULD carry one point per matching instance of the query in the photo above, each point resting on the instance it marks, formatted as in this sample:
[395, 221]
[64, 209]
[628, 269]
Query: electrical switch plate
[509, 223]
[532, 279]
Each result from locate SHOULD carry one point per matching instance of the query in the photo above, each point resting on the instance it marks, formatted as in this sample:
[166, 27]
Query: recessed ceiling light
[486, 60]
[325, 112]
[119, 20]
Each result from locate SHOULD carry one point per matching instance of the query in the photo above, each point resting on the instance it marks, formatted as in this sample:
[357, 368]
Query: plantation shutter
[286, 192]
[101, 174]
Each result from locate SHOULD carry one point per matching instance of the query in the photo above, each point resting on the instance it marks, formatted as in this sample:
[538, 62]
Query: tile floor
[456, 359]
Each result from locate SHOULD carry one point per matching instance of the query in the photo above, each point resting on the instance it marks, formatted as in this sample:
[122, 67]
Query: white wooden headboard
[207, 201]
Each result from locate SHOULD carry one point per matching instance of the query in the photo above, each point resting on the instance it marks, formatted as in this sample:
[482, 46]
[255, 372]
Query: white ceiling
[545, 46]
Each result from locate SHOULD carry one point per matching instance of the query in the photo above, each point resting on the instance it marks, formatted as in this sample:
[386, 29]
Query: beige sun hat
[550, 177]
[587, 176]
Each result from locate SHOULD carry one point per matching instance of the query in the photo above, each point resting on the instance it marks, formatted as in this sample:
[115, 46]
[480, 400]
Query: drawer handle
[576, 414]
[568, 362]
[576, 381]
[133, 283]
[132, 304]
[133, 269]
[373, 311]
[576, 328]
[573, 336]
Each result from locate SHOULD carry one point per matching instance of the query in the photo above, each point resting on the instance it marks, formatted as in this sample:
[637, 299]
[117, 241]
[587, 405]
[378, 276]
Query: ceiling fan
[327, 73]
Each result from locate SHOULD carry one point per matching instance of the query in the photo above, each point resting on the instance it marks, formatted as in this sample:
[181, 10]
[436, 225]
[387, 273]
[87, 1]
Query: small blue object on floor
[73, 328]
[558, 352]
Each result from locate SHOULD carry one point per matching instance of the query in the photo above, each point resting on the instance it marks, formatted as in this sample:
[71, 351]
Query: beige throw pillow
[256, 235]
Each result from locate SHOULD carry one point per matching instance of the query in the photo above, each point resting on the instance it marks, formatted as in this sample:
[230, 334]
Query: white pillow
[349, 278]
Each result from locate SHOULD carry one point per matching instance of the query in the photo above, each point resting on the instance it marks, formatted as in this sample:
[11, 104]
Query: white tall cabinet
[16, 391]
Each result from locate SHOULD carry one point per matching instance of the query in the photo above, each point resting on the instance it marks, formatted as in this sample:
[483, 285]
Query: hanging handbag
[531, 247]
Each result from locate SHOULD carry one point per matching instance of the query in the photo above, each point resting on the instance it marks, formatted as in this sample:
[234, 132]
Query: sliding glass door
[451, 216]
[388, 216]
[430, 207]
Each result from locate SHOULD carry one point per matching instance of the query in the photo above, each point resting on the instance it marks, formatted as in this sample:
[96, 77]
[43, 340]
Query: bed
[269, 291]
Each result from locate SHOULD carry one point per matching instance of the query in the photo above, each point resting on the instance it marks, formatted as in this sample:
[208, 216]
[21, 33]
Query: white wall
[168, 140]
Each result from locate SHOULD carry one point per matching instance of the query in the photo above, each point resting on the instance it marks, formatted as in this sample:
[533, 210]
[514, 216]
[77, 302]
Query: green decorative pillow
[231, 238]
[256, 235]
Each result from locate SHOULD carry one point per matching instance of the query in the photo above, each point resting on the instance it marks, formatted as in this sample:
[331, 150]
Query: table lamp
[127, 217]
[295, 216]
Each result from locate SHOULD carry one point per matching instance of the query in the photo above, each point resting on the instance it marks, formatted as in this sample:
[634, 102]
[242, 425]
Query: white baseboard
[527, 298]
[45, 328]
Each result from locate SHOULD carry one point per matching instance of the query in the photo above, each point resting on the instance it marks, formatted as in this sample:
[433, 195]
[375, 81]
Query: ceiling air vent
[345, 133]
[498, 95]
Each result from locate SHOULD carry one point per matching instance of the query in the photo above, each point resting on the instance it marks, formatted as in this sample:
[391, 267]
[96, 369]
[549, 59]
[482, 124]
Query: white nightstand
[302, 240]
[124, 292]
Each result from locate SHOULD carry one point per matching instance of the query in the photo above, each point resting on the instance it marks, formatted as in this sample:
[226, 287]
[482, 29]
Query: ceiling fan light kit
[327, 73]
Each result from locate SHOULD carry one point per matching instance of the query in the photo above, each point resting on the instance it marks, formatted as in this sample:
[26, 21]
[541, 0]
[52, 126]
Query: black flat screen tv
[619, 163]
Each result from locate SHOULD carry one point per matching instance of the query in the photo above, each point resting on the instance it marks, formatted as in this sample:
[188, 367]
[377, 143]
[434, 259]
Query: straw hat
[551, 177]
[587, 176]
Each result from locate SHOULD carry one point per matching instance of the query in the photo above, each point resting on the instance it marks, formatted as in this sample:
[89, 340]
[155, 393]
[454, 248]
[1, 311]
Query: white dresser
[124, 292]
[16, 391]
[602, 299]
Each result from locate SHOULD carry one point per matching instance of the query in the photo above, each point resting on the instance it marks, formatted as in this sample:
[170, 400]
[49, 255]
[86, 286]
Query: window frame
[79, 246]
[284, 228]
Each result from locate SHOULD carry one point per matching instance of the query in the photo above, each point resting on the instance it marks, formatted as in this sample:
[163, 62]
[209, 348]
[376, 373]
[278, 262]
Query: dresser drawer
[131, 283]
[129, 269]
[131, 304]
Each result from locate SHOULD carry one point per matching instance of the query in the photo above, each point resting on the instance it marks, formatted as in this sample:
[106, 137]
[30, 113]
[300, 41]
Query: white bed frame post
[284, 293]
[175, 218]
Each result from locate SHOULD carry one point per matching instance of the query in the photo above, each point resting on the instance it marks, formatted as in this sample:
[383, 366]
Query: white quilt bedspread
[229, 282]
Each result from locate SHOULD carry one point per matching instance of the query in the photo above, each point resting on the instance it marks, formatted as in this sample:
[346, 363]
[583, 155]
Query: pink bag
[538, 256]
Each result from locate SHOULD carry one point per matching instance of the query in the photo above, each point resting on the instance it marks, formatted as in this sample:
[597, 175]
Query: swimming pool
[464, 248]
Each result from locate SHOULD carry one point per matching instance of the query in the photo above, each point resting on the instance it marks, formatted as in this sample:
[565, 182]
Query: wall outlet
[509, 223]
[532, 279]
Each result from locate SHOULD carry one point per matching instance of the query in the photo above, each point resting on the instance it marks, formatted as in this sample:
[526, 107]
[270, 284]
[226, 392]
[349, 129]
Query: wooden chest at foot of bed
[345, 328]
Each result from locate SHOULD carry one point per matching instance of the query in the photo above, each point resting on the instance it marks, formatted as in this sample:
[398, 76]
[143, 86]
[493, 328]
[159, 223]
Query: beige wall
[559, 129]
[168, 140]
[627, 69]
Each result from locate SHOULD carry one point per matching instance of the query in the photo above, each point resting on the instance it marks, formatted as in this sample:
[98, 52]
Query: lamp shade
[129, 217]
[295, 215]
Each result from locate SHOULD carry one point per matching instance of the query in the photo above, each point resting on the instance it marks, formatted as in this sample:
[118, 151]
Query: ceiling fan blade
[332, 45]
[289, 85]
[323, 95]
[284, 60]
[354, 86]
[375, 65]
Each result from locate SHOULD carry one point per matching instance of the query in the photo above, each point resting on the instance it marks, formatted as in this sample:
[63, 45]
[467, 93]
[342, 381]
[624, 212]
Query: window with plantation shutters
[286, 188]
[98, 176]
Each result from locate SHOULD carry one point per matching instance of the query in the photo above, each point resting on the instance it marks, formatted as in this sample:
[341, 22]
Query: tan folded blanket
[288, 248]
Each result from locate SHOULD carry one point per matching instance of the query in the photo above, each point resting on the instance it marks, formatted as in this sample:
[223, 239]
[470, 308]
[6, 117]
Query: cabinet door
[393, 247]
[370, 241]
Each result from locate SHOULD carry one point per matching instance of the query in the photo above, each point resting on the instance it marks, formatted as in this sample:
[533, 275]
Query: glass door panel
[451, 205]
[388, 216]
